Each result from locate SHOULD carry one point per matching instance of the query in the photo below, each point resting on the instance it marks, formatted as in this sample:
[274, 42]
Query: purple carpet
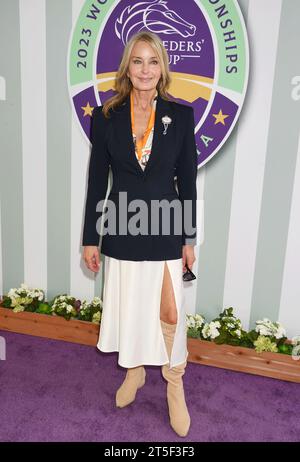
[58, 391]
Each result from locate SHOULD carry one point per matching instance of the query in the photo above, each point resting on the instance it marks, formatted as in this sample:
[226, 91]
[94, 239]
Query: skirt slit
[130, 322]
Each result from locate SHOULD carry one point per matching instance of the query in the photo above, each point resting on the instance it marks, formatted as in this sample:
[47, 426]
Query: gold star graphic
[87, 110]
[220, 117]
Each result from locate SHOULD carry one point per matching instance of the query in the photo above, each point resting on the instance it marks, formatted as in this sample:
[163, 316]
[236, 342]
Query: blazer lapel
[159, 141]
[123, 130]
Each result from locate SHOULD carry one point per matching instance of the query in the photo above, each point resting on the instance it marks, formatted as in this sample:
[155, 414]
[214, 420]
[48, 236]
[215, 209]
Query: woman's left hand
[188, 257]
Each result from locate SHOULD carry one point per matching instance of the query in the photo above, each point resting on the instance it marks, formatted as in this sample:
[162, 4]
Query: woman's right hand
[91, 257]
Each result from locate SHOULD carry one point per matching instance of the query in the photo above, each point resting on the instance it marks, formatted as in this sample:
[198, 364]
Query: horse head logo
[154, 16]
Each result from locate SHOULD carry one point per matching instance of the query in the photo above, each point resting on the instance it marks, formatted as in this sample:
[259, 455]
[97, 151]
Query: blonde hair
[123, 84]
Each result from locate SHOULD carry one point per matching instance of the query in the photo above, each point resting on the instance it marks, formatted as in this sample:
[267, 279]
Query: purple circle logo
[207, 45]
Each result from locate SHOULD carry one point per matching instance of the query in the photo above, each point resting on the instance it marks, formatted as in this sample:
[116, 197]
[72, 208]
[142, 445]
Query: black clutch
[188, 275]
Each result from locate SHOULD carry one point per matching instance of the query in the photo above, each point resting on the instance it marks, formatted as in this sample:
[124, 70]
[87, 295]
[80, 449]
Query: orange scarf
[141, 143]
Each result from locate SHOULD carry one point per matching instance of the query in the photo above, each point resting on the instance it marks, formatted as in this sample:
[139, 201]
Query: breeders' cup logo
[207, 45]
[155, 16]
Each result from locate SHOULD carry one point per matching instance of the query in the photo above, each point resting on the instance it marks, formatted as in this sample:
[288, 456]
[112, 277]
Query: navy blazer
[173, 155]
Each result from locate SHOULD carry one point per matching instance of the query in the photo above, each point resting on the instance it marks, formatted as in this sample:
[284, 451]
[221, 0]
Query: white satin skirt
[130, 322]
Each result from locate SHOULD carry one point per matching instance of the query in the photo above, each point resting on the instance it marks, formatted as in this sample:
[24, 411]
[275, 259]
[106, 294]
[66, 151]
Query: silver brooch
[166, 120]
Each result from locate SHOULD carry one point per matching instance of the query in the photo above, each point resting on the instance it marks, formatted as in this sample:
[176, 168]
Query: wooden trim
[43, 325]
[235, 358]
[275, 365]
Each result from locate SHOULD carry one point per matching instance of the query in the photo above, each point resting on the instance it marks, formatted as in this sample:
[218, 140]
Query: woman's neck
[143, 99]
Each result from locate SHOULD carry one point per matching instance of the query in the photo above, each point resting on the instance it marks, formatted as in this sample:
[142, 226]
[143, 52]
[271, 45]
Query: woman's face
[144, 68]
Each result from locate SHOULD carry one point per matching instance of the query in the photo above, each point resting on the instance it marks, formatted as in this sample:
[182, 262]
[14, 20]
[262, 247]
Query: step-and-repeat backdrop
[236, 62]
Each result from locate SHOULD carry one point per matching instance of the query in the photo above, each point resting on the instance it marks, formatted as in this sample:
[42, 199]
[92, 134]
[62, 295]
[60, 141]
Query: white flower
[36, 293]
[96, 317]
[194, 321]
[190, 321]
[97, 302]
[69, 308]
[84, 305]
[263, 330]
[211, 330]
[296, 340]
[199, 320]
[268, 328]
[12, 293]
[281, 332]
[206, 331]
[214, 329]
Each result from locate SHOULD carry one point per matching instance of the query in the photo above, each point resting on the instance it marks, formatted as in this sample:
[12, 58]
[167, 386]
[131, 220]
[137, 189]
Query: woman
[147, 140]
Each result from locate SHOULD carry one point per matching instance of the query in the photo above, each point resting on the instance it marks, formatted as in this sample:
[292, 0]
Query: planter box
[43, 325]
[275, 365]
[235, 358]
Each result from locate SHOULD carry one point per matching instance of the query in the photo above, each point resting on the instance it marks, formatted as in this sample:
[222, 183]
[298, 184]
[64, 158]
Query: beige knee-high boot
[135, 378]
[178, 412]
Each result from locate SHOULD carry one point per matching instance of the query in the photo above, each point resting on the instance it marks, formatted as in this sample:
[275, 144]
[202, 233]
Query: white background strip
[33, 76]
[251, 151]
[289, 313]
